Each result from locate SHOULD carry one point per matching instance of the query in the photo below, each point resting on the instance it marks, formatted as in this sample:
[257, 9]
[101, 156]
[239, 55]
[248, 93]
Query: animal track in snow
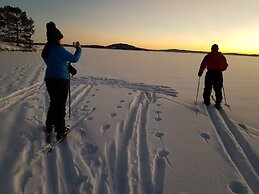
[158, 116]
[112, 115]
[105, 127]
[90, 149]
[163, 154]
[159, 135]
[205, 136]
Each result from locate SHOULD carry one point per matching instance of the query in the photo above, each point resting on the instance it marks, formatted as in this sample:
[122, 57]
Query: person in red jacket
[215, 62]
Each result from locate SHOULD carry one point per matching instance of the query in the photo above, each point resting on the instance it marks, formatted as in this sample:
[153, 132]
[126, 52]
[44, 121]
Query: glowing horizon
[150, 24]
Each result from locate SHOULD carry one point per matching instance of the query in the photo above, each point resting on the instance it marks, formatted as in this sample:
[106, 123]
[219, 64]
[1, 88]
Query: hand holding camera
[76, 44]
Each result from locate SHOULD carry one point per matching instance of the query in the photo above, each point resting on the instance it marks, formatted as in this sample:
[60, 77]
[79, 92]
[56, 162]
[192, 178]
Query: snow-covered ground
[7, 46]
[135, 127]
[4, 46]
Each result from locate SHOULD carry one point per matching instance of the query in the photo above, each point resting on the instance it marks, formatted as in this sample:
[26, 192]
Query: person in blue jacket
[57, 83]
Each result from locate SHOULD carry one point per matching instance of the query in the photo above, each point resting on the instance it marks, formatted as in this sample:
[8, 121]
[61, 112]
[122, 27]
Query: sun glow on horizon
[154, 25]
[243, 40]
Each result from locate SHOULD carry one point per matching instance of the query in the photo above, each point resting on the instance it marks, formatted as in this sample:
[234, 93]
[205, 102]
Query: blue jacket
[57, 59]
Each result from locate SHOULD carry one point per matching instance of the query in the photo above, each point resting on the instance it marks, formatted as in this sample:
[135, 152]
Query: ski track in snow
[86, 171]
[240, 153]
[125, 165]
[236, 147]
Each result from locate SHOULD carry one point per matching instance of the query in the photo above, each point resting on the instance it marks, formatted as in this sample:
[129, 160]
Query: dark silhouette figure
[215, 62]
[57, 78]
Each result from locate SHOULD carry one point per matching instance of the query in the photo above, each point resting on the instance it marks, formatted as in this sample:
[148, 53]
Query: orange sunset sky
[154, 24]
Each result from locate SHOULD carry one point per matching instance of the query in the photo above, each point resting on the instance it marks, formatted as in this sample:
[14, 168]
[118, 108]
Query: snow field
[141, 136]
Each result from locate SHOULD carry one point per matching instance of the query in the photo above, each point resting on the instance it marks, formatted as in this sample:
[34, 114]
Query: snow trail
[233, 148]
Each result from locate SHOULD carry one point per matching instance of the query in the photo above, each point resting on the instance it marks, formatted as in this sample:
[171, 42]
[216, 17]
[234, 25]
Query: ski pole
[225, 99]
[69, 97]
[197, 93]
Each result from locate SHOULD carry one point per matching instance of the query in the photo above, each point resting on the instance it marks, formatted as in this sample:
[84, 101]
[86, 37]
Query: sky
[153, 24]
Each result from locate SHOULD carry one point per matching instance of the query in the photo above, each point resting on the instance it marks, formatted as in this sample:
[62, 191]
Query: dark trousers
[213, 79]
[58, 92]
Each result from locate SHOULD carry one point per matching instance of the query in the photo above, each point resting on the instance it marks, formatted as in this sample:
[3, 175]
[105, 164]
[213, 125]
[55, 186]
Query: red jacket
[213, 61]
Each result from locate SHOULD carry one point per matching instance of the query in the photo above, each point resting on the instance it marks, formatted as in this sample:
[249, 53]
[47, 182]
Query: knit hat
[53, 34]
[214, 47]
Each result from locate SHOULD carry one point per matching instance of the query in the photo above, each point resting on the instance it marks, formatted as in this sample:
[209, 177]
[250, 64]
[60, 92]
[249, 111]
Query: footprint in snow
[90, 118]
[159, 134]
[104, 128]
[119, 106]
[107, 126]
[90, 149]
[112, 115]
[205, 136]
[96, 163]
[84, 108]
[158, 116]
[163, 154]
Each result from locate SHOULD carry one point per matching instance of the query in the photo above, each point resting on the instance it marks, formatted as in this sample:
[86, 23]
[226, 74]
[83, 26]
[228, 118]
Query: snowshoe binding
[62, 136]
[218, 106]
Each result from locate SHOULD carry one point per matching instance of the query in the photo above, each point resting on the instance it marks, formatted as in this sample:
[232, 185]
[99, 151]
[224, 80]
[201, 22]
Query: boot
[218, 106]
[207, 102]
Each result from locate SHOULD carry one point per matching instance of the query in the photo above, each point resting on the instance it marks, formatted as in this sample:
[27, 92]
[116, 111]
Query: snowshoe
[62, 136]
[218, 106]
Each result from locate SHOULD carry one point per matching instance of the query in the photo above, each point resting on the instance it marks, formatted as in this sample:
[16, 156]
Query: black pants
[213, 79]
[58, 92]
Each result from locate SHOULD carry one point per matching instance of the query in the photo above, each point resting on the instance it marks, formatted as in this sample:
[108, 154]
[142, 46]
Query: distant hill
[122, 46]
[181, 51]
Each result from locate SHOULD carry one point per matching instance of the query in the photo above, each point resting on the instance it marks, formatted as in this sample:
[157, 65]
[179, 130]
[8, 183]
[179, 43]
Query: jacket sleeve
[71, 57]
[224, 64]
[203, 65]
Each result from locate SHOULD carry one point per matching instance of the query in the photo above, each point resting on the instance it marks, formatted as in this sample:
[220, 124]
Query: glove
[200, 73]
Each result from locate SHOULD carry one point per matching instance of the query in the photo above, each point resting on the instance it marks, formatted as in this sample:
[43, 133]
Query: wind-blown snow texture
[135, 128]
